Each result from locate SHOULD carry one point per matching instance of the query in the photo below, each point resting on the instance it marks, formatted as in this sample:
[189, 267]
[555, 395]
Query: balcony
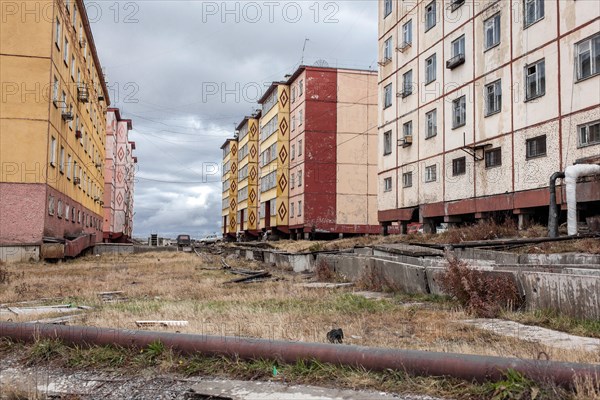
[405, 93]
[403, 47]
[385, 61]
[405, 141]
[82, 94]
[455, 4]
[67, 115]
[455, 61]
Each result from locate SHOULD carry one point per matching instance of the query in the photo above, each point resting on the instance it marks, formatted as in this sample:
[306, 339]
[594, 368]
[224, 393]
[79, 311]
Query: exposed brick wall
[22, 210]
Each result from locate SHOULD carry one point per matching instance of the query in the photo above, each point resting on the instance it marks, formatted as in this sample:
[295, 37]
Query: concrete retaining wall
[15, 253]
[566, 258]
[113, 248]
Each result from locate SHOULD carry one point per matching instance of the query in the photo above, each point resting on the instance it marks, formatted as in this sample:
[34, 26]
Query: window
[407, 33]
[268, 182]
[292, 210]
[387, 96]
[491, 31]
[69, 163]
[430, 69]
[75, 171]
[431, 173]
[588, 57]
[407, 129]
[301, 88]
[534, 11]
[53, 151]
[458, 47]
[493, 98]
[430, 16]
[299, 147]
[55, 89]
[74, 20]
[589, 134]
[535, 80]
[61, 165]
[50, 205]
[293, 94]
[493, 158]
[387, 185]
[387, 51]
[459, 166]
[300, 117]
[300, 208]
[58, 33]
[293, 123]
[455, 4]
[299, 178]
[431, 124]
[292, 180]
[536, 147]
[73, 68]
[59, 209]
[387, 143]
[388, 8]
[66, 53]
[407, 179]
[459, 111]
[407, 83]
[293, 151]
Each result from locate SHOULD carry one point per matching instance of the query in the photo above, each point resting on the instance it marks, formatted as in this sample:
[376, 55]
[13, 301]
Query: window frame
[459, 166]
[429, 176]
[540, 78]
[388, 46]
[497, 31]
[488, 160]
[542, 14]
[388, 8]
[407, 124]
[387, 184]
[407, 180]
[528, 155]
[387, 95]
[407, 85]
[433, 67]
[460, 39]
[497, 84]
[587, 126]
[387, 143]
[432, 113]
[407, 33]
[594, 58]
[459, 105]
[428, 13]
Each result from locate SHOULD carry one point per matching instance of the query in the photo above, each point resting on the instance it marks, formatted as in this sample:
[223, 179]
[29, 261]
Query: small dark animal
[335, 335]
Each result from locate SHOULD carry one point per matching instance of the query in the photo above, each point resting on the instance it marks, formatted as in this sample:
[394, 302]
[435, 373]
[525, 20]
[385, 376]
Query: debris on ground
[113, 297]
[256, 277]
[165, 324]
[56, 309]
[326, 285]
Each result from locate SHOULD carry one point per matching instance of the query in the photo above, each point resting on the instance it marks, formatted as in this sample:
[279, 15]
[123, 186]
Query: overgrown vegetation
[163, 360]
[4, 275]
[375, 279]
[483, 294]
[324, 272]
[552, 319]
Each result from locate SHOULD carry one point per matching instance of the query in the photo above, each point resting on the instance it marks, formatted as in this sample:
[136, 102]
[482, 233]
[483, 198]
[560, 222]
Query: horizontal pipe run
[424, 363]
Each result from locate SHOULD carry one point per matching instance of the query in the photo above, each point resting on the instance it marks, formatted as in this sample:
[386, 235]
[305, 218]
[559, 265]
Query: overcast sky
[187, 72]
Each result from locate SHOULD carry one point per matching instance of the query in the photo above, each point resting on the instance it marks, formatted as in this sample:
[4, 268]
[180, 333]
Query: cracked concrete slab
[536, 334]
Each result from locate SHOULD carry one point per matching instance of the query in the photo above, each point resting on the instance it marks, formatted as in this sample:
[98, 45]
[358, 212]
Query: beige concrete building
[481, 102]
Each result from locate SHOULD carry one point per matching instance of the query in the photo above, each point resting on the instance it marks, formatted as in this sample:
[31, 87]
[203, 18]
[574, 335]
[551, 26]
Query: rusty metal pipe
[553, 209]
[467, 367]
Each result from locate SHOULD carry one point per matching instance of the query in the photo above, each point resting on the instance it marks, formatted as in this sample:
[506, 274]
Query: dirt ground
[186, 287]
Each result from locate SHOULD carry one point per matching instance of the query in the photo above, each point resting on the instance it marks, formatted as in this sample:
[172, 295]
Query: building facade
[481, 102]
[229, 179]
[119, 176]
[52, 132]
[248, 175]
[316, 157]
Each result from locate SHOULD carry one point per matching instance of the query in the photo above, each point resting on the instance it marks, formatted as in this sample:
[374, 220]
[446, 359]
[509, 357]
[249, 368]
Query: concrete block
[364, 251]
[433, 275]
[17, 253]
[497, 257]
[573, 295]
[113, 248]
[566, 258]
[407, 278]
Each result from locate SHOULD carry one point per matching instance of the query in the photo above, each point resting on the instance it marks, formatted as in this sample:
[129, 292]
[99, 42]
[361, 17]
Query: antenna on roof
[304, 48]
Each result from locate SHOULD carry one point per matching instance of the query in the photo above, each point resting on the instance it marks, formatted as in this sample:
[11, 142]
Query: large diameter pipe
[467, 367]
[553, 213]
[571, 174]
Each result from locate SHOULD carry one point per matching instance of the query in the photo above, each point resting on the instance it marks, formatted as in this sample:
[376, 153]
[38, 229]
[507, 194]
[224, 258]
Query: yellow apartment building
[248, 170]
[229, 179]
[52, 131]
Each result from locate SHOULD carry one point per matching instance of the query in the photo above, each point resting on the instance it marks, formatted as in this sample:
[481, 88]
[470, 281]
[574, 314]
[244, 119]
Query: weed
[348, 303]
[374, 279]
[97, 356]
[516, 386]
[324, 272]
[316, 248]
[552, 319]
[4, 275]
[45, 350]
[150, 355]
[483, 294]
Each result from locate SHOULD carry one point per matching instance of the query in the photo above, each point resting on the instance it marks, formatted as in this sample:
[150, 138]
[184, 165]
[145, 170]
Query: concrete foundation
[17, 253]
[113, 248]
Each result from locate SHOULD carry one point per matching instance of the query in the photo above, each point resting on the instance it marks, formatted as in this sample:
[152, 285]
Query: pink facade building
[119, 173]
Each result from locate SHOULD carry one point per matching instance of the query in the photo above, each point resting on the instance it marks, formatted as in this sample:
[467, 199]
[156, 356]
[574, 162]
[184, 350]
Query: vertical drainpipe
[553, 213]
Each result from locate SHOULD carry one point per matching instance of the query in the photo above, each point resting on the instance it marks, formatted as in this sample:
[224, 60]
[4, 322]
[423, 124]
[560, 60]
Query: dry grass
[177, 286]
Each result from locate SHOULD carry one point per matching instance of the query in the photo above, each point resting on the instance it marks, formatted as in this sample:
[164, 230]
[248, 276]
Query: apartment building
[52, 132]
[316, 158]
[119, 175]
[332, 152]
[229, 179]
[248, 178]
[274, 160]
[481, 102]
